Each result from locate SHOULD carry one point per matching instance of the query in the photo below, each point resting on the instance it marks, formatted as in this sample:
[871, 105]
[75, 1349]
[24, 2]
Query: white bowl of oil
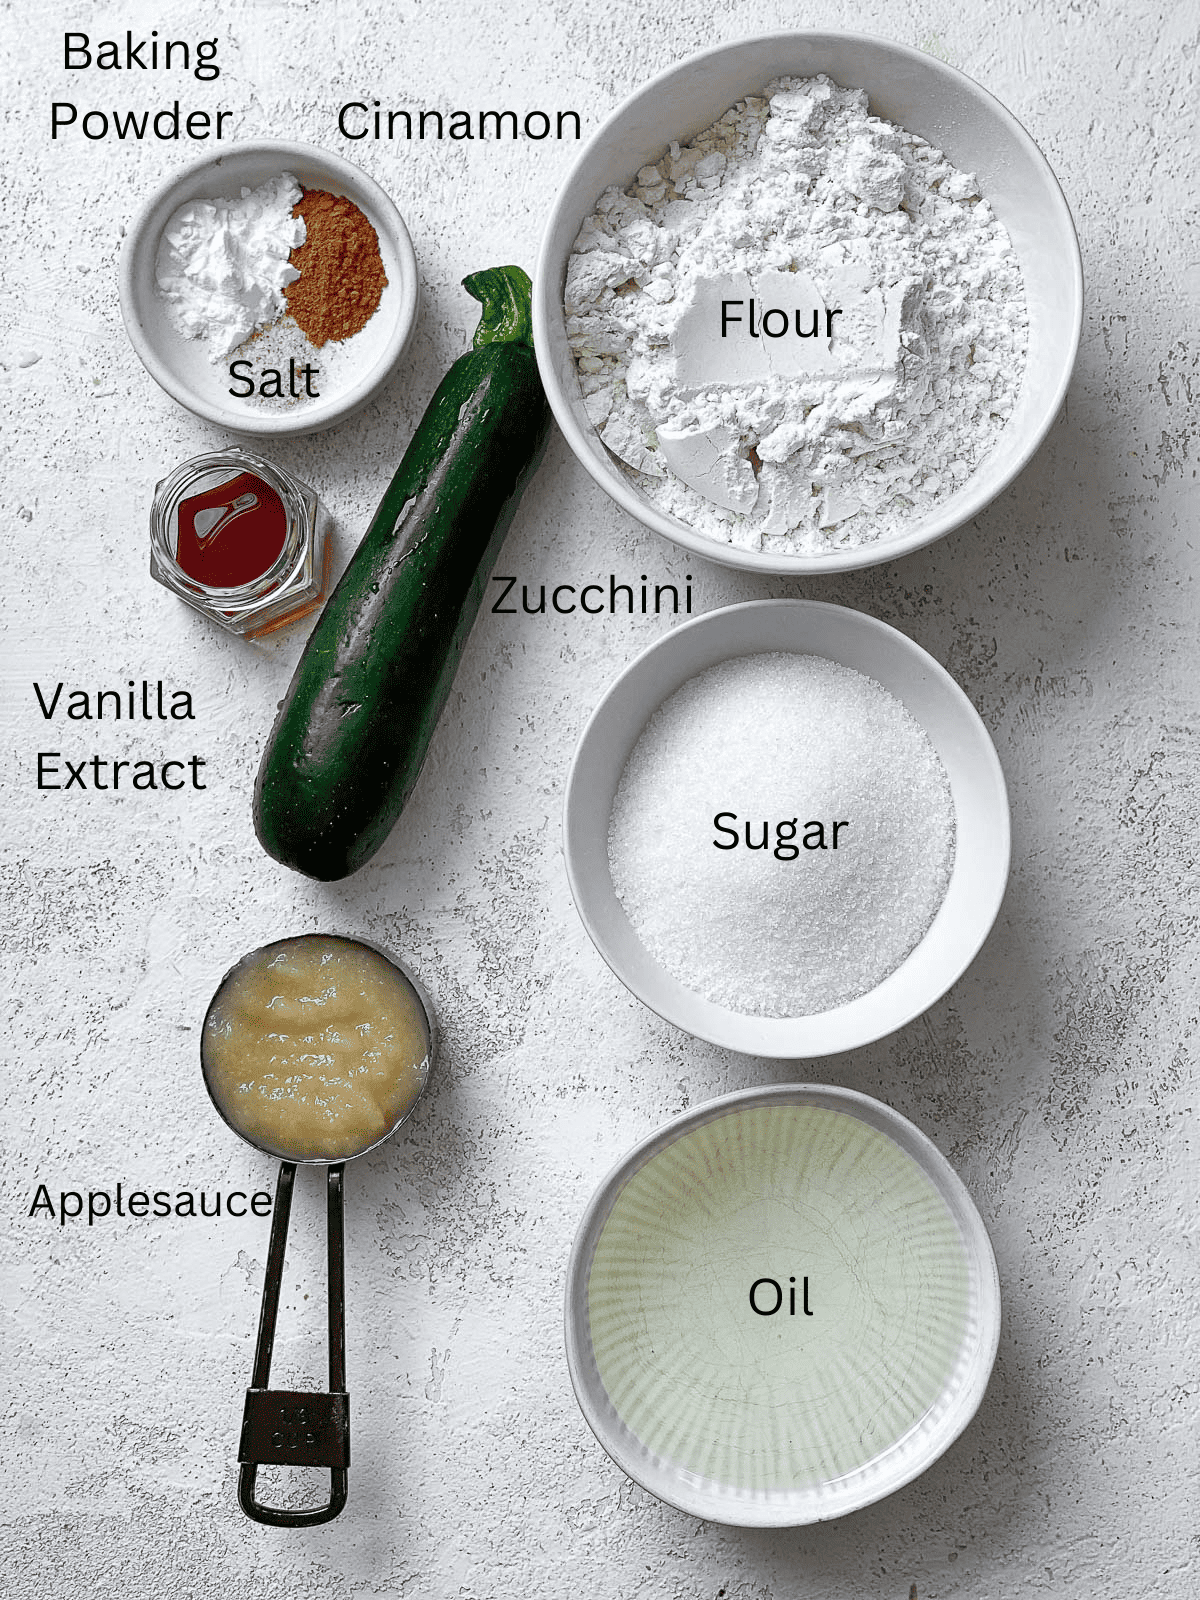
[781, 1307]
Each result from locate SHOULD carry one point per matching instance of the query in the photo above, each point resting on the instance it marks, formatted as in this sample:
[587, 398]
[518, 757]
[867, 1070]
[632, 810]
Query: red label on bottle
[231, 535]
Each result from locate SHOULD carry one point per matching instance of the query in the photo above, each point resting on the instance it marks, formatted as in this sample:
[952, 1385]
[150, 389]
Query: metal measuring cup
[285, 1427]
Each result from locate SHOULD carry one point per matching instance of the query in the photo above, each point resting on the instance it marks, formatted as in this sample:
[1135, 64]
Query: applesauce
[314, 1048]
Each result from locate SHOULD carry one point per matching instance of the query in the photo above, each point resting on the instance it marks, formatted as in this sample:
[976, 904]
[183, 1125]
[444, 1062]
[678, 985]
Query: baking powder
[222, 264]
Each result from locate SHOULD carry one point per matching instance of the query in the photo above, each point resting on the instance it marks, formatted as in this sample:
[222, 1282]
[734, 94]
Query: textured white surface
[1058, 1075]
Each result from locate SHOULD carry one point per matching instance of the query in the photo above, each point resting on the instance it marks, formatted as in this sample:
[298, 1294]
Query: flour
[801, 331]
[222, 265]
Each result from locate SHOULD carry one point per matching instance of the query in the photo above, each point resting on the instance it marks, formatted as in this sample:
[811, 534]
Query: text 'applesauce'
[314, 1048]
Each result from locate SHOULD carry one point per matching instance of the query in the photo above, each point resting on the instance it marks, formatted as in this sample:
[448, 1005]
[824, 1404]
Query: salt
[782, 835]
[285, 347]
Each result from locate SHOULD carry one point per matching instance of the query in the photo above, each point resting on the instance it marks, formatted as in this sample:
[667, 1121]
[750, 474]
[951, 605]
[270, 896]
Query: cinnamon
[341, 278]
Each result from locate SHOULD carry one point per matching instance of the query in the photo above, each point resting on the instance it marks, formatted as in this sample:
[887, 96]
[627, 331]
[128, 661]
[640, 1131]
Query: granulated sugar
[782, 835]
[803, 330]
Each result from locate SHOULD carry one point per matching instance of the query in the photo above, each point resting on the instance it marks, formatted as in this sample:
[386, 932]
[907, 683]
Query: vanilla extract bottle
[239, 540]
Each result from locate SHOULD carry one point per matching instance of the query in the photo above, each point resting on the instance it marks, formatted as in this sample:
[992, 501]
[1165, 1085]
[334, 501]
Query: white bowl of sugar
[890, 492]
[786, 829]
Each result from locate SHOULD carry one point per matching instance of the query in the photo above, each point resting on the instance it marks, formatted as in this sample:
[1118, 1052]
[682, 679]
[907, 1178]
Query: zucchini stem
[506, 295]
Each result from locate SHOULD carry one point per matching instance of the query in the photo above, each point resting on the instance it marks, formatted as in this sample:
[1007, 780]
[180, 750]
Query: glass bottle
[253, 558]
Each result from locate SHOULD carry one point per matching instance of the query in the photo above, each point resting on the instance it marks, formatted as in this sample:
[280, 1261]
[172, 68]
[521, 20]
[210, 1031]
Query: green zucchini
[351, 735]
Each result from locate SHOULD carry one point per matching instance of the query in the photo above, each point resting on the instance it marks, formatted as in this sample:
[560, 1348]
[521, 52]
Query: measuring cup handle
[287, 1427]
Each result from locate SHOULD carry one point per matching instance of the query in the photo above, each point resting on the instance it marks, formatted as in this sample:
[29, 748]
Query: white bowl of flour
[808, 302]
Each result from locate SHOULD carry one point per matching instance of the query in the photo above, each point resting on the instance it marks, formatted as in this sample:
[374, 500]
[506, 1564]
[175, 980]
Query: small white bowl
[683, 1331]
[954, 728]
[908, 88]
[351, 377]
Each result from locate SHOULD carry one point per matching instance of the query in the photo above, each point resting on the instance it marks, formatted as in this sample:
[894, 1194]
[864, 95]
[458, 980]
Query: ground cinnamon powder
[341, 278]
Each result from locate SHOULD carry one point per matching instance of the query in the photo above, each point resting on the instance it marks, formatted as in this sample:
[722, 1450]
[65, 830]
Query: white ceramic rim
[701, 1497]
[547, 313]
[144, 233]
[983, 844]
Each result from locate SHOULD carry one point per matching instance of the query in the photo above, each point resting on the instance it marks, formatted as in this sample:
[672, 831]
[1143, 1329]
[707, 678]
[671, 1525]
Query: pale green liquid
[784, 1401]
